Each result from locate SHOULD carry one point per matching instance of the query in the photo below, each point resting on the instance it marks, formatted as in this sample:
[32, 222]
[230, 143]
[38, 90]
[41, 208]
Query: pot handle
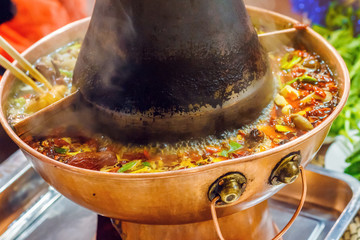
[288, 225]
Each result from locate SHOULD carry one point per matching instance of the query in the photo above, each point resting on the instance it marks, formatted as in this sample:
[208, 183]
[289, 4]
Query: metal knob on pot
[287, 170]
[228, 187]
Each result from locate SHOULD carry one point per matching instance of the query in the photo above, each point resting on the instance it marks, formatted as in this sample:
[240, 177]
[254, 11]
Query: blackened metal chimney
[167, 70]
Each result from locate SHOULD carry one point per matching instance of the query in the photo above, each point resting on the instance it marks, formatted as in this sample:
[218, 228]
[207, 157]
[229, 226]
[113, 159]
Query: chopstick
[19, 74]
[23, 62]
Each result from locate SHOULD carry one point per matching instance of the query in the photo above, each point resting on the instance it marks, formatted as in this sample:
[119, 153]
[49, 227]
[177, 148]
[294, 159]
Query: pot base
[253, 223]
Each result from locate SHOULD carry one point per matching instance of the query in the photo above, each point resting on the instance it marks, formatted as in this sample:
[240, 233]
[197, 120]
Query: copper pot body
[252, 223]
[176, 197]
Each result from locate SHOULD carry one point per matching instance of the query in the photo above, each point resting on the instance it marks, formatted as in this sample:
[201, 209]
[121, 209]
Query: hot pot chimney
[168, 70]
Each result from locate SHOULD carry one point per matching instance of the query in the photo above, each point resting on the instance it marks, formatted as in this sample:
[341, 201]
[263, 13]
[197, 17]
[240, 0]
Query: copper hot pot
[182, 196]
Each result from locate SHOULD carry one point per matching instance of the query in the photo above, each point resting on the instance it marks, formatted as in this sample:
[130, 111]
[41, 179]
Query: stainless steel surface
[62, 219]
[30, 209]
[20, 186]
[333, 200]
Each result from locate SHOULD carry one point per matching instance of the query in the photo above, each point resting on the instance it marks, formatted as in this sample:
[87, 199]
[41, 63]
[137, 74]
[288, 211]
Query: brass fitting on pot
[229, 187]
[287, 170]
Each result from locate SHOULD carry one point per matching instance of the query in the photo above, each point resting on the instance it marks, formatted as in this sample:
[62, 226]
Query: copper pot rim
[272, 14]
[190, 171]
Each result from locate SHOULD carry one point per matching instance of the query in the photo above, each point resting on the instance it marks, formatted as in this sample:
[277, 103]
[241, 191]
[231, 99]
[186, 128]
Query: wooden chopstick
[23, 62]
[19, 74]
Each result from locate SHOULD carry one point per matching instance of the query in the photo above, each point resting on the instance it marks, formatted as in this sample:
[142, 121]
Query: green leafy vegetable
[223, 153]
[340, 32]
[146, 164]
[353, 169]
[20, 101]
[234, 146]
[303, 78]
[355, 155]
[127, 166]
[66, 73]
[60, 150]
[75, 46]
[287, 64]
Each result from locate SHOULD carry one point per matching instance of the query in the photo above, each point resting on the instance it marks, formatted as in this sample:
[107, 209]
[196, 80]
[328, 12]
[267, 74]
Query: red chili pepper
[146, 154]
[306, 86]
[287, 119]
[332, 87]
[320, 92]
[273, 114]
[239, 154]
[240, 132]
[321, 112]
[60, 142]
[26, 96]
[194, 156]
[213, 149]
[297, 72]
[300, 26]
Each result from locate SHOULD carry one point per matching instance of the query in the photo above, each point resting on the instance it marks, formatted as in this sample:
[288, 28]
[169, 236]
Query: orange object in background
[37, 18]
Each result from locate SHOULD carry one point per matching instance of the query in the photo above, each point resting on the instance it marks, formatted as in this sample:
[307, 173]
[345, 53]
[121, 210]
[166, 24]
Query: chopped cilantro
[303, 78]
[287, 64]
[234, 146]
[66, 73]
[60, 150]
[127, 166]
[20, 101]
[146, 164]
